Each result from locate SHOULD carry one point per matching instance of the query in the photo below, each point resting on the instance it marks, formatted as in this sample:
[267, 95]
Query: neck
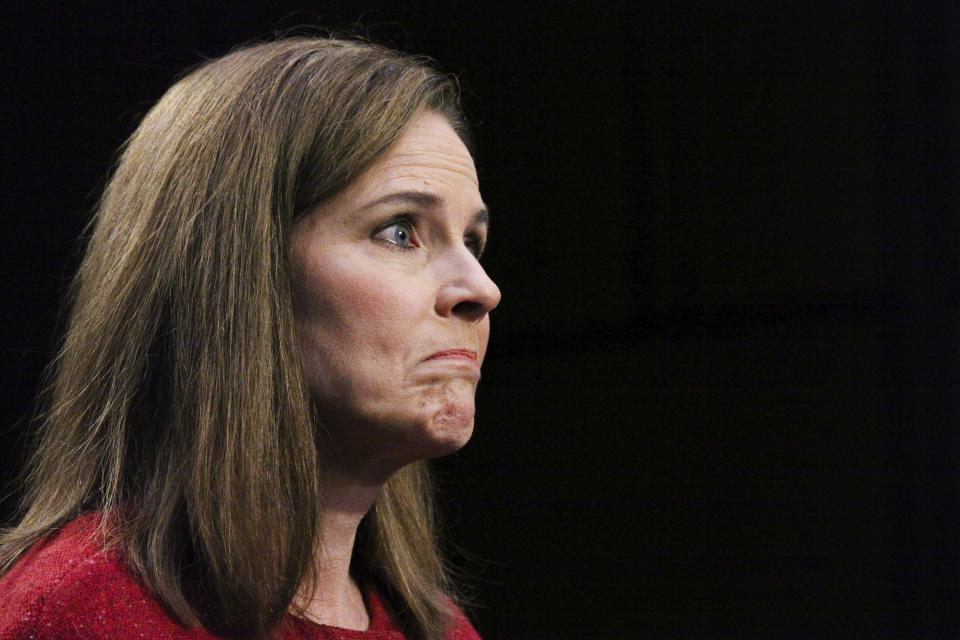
[336, 599]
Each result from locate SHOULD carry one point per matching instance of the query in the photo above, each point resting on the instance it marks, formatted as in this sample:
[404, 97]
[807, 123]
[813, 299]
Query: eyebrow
[424, 200]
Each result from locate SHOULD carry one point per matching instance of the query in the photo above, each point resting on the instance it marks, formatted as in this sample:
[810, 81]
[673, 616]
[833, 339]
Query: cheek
[347, 305]
[484, 331]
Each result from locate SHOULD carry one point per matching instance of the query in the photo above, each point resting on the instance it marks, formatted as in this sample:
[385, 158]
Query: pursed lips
[454, 353]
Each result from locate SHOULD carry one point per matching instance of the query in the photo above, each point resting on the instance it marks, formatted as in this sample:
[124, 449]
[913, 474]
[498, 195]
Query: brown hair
[177, 402]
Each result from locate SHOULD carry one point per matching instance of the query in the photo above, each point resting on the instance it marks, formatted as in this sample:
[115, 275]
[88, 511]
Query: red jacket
[68, 587]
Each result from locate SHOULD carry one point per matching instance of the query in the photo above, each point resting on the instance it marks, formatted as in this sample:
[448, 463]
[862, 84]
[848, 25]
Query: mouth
[449, 354]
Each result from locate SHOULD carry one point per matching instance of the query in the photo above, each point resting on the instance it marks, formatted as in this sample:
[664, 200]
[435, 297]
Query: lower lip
[455, 354]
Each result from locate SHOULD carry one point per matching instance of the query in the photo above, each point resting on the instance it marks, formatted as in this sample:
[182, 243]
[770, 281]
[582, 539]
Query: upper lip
[454, 353]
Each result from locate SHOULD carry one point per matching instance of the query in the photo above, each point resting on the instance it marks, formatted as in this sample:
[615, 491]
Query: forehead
[429, 154]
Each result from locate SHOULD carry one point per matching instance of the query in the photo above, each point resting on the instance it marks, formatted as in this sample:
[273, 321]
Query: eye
[476, 243]
[399, 232]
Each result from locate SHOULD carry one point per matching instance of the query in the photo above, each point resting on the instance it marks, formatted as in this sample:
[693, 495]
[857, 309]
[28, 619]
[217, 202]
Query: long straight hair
[177, 403]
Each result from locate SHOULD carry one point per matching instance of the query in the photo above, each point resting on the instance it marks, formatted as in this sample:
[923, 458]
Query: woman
[279, 316]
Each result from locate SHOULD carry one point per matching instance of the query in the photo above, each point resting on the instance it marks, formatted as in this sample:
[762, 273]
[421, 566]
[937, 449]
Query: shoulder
[69, 586]
[460, 628]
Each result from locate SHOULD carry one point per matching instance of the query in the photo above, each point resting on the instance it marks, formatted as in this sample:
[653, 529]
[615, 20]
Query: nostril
[469, 309]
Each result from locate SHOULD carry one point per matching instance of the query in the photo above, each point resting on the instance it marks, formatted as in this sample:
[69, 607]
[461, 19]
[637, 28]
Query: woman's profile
[279, 316]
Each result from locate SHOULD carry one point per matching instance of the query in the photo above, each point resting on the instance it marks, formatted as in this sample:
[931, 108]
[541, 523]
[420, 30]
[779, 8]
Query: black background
[721, 399]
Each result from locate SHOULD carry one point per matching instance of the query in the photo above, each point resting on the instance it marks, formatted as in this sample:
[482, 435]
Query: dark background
[721, 399]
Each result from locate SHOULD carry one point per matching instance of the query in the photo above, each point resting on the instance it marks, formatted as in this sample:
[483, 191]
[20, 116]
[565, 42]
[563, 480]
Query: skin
[375, 298]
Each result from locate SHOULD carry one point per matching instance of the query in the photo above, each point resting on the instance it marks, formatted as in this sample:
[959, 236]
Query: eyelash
[474, 242]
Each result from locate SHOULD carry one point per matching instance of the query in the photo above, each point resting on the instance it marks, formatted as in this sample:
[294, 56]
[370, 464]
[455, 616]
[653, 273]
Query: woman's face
[392, 305]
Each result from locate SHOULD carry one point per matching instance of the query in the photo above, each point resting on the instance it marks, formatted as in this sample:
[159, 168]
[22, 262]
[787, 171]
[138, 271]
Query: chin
[390, 441]
[449, 430]
[422, 443]
[451, 445]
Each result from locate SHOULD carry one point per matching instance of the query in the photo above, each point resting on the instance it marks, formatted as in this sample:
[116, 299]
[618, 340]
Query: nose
[469, 294]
